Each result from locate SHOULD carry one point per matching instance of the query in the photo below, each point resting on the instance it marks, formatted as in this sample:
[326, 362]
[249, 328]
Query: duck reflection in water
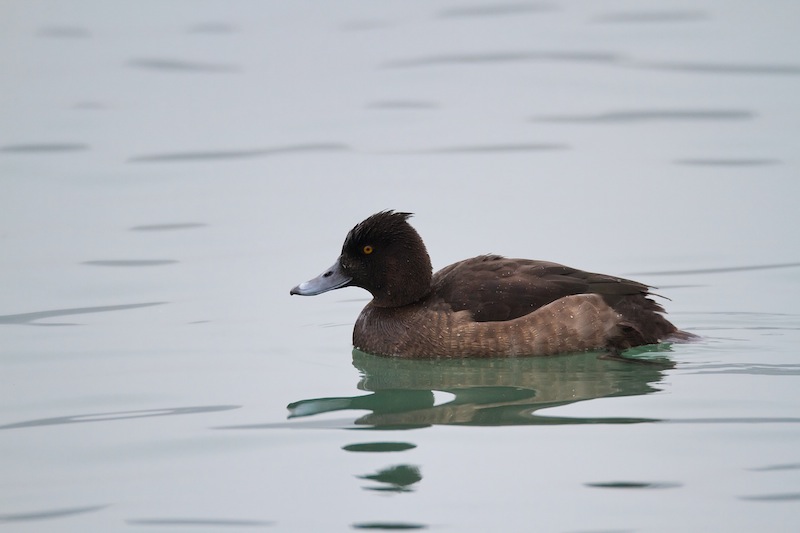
[398, 478]
[488, 392]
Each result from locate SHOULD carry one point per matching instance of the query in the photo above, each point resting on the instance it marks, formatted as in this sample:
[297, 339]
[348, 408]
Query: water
[168, 173]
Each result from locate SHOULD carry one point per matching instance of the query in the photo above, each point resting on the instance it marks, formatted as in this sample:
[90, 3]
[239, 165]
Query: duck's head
[384, 255]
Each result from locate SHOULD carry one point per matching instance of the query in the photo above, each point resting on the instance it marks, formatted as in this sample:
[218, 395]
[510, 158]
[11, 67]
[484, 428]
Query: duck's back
[495, 288]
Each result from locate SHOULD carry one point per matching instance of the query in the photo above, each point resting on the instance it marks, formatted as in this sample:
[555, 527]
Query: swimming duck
[486, 306]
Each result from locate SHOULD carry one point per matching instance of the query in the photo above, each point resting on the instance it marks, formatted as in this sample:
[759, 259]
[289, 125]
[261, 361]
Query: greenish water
[402, 393]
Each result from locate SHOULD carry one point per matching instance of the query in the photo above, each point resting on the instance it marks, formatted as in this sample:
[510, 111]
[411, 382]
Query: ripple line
[49, 513]
[119, 415]
[28, 318]
[724, 68]
[502, 57]
[238, 154]
[38, 148]
[224, 522]
[177, 65]
[719, 270]
[496, 10]
[130, 262]
[648, 115]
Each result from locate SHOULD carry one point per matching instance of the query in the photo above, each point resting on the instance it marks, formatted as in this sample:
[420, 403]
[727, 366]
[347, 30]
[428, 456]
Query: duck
[486, 306]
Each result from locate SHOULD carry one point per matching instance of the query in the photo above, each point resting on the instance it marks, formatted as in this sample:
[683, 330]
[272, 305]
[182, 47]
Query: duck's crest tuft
[379, 226]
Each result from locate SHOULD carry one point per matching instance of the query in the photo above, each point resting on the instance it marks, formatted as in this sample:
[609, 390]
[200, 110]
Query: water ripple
[203, 522]
[130, 262]
[239, 154]
[487, 149]
[750, 369]
[729, 162]
[604, 531]
[634, 485]
[30, 318]
[719, 270]
[778, 497]
[402, 104]
[503, 57]
[653, 16]
[734, 420]
[49, 513]
[388, 525]
[775, 468]
[41, 148]
[379, 447]
[169, 227]
[647, 115]
[724, 68]
[177, 65]
[493, 10]
[119, 415]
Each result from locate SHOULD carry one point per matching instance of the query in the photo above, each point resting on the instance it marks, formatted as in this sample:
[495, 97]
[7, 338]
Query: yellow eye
[367, 249]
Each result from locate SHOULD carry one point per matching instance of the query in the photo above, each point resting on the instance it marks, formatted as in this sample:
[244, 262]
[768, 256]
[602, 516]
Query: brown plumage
[487, 306]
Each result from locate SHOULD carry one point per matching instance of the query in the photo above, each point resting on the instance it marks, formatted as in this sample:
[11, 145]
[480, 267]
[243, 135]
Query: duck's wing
[495, 288]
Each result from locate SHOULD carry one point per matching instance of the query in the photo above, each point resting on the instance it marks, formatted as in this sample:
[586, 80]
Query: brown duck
[487, 306]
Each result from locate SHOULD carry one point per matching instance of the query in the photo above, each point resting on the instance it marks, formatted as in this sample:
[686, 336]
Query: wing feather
[495, 288]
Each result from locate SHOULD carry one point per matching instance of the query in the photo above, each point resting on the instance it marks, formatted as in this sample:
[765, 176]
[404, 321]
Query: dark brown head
[384, 255]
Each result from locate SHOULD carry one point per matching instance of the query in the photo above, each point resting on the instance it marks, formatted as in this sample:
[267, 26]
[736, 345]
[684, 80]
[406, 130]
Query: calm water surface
[168, 173]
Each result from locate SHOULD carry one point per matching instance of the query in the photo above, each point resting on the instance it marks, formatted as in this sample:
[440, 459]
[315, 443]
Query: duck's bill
[333, 278]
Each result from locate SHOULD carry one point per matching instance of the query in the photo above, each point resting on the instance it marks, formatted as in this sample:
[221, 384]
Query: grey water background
[169, 170]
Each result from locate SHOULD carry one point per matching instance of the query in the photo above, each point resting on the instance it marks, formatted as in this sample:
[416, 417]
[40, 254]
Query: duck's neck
[412, 286]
